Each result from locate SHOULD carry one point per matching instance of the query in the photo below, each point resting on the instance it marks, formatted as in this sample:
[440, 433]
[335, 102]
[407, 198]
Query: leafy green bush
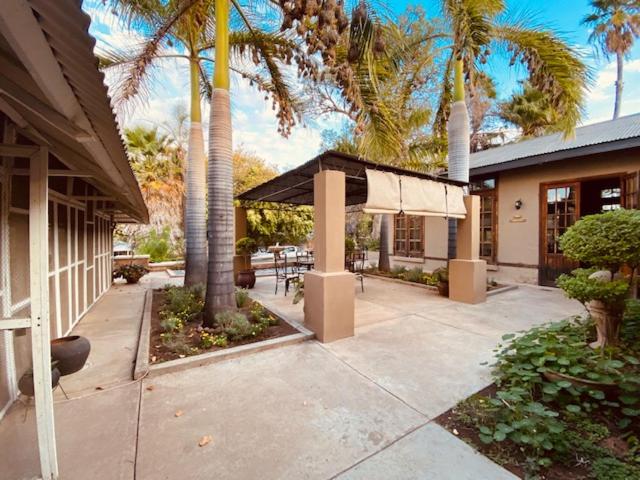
[185, 303]
[349, 245]
[242, 297]
[414, 275]
[609, 468]
[578, 285]
[246, 246]
[132, 273]
[606, 240]
[234, 324]
[171, 323]
[157, 245]
[398, 271]
[630, 332]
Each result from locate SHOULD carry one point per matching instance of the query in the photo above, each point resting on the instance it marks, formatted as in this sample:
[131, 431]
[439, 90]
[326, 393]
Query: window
[486, 190]
[632, 190]
[611, 198]
[408, 238]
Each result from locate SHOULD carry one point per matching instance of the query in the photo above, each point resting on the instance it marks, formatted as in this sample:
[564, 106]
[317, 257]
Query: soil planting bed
[159, 353]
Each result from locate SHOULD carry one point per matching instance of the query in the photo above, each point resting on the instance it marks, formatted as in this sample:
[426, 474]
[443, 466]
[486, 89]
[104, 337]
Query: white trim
[56, 266]
[16, 307]
[13, 323]
[40, 329]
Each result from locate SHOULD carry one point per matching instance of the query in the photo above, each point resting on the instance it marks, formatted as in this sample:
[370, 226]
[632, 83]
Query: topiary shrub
[606, 242]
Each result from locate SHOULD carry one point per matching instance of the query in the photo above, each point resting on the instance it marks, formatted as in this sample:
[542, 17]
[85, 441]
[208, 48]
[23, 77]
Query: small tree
[607, 242]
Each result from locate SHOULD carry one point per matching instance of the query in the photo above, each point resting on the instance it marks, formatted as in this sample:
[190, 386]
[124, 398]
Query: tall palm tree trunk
[220, 289]
[383, 261]
[619, 85]
[195, 213]
[458, 136]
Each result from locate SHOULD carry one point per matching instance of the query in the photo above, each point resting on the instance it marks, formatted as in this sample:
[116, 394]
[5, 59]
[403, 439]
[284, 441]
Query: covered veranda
[332, 181]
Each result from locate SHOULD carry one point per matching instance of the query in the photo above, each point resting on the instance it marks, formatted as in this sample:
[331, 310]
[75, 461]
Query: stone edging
[142, 356]
[490, 293]
[143, 368]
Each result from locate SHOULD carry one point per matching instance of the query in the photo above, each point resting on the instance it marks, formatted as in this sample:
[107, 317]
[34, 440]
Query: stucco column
[467, 273]
[329, 290]
[240, 228]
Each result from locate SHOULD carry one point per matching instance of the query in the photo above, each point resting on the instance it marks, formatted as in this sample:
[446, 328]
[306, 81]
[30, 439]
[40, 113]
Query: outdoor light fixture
[518, 204]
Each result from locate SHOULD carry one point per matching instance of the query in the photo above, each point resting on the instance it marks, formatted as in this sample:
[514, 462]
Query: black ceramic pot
[246, 279]
[71, 353]
[25, 384]
[443, 289]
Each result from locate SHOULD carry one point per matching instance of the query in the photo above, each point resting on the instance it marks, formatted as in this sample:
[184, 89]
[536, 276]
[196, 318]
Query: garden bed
[416, 277]
[190, 338]
[559, 410]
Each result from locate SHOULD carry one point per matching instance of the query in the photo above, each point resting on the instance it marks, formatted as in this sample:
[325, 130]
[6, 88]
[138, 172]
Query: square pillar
[467, 273]
[329, 291]
[240, 229]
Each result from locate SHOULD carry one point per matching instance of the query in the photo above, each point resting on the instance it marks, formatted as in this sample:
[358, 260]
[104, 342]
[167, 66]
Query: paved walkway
[359, 408]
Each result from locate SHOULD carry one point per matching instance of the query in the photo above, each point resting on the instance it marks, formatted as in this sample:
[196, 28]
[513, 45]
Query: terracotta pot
[25, 384]
[609, 389]
[71, 353]
[443, 289]
[246, 279]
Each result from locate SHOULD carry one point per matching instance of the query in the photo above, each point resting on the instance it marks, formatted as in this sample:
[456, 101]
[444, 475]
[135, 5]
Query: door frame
[543, 211]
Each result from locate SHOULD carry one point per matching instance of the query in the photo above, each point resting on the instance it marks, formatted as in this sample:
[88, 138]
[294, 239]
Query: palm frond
[554, 68]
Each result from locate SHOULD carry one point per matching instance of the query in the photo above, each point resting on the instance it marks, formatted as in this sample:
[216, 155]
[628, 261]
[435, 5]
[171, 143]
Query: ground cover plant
[560, 409]
[417, 275]
[177, 330]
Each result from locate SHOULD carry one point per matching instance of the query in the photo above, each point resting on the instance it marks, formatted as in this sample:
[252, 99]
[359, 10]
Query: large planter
[443, 289]
[25, 384]
[246, 279]
[608, 320]
[71, 353]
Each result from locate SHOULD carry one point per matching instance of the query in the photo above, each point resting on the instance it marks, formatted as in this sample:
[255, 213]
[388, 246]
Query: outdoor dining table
[309, 263]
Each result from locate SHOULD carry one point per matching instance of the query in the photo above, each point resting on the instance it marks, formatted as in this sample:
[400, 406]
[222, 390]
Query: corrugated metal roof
[66, 28]
[623, 128]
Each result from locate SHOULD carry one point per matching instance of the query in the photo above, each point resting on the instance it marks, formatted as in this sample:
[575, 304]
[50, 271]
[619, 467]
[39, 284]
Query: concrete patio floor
[358, 408]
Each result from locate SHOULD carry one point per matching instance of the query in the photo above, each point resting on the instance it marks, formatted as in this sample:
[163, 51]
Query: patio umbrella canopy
[295, 187]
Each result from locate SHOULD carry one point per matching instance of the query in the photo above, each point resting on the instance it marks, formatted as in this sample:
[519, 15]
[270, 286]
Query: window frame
[407, 252]
[493, 194]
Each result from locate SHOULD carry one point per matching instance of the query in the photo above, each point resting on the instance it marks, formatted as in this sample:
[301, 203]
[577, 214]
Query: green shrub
[132, 273]
[157, 245]
[578, 285]
[242, 297]
[185, 303]
[234, 324]
[630, 331]
[414, 275]
[398, 271]
[349, 245]
[605, 241]
[170, 323]
[177, 342]
[246, 246]
[609, 468]
[440, 275]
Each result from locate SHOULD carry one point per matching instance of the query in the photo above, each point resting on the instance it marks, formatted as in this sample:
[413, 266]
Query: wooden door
[631, 190]
[559, 209]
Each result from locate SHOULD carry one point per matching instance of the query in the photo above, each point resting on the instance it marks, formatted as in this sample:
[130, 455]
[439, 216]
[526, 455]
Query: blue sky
[254, 122]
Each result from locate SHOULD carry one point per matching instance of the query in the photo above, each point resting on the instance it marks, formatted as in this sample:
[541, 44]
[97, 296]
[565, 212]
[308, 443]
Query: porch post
[40, 331]
[240, 228]
[329, 291]
[467, 273]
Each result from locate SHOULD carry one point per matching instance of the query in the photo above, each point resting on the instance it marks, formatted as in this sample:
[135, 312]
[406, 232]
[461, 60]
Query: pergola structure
[334, 180]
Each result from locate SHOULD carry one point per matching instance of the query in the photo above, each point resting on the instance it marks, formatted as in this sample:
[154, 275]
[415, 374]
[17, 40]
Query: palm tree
[479, 27]
[615, 26]
[184, 30]
[531, 111]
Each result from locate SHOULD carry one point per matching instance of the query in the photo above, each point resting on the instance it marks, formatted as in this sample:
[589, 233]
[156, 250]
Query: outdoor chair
[304, 260]
[356, 265]
[286, 272]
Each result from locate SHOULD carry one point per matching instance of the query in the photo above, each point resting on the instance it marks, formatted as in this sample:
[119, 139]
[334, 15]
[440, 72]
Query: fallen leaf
[99, 388]
[150, 387]
[154, 358]
[179, 413]
[455, 432]
[181, 356]
[205, 440]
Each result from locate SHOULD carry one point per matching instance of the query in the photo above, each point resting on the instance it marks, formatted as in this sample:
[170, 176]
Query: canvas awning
[388, 192]
[295, 187]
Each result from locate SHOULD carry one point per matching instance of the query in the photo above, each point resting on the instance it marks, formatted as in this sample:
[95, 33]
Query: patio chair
[286, 272]
[304, 260]
[356, 265]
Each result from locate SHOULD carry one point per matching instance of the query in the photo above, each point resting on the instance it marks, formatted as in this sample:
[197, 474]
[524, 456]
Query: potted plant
[132, 273]
[70, 353]
[246, 276]
[25, 384]
[608, 244]
[441, 276]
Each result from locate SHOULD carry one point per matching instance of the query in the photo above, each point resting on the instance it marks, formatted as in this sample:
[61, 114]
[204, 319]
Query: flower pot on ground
[131, 273]
[246, 277]
[25, 384]
[70, 353]
[441, 275]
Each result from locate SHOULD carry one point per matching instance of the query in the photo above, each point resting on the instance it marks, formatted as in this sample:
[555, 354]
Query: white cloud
[600, 99]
